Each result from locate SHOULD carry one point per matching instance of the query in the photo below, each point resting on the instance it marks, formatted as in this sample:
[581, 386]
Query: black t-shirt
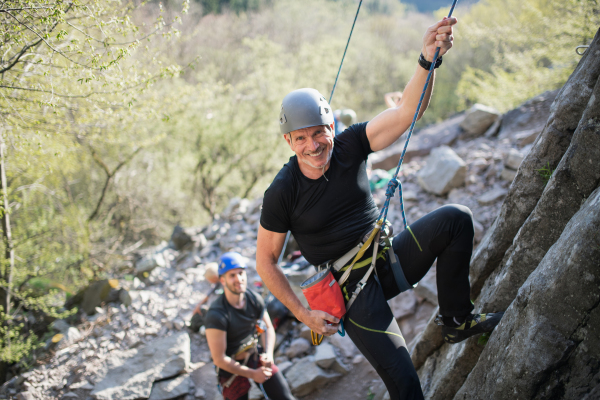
[326, 216]
[238, 323]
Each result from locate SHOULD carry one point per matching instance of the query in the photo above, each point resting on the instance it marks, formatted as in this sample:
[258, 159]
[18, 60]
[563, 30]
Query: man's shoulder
[284, 182]
[255, 298]
[218, 306]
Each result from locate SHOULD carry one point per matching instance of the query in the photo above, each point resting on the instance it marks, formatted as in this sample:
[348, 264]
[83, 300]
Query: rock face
[131, 373]
[444, 171]
[554, 321]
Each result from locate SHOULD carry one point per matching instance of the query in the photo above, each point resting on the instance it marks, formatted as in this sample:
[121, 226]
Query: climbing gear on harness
[315, 338]
[473, 325]
[231, 260]
[248, 347]
[323, 293]
[303, 108]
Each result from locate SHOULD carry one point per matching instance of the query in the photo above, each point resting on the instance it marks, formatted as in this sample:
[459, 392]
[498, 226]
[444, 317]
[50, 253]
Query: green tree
[68, 88]
[531, 46]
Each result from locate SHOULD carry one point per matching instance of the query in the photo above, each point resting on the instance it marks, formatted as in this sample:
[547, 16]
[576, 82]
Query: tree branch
[109, 176]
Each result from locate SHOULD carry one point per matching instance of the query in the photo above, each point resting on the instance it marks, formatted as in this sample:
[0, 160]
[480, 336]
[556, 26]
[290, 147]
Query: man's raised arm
[387, 127]
[268, 247]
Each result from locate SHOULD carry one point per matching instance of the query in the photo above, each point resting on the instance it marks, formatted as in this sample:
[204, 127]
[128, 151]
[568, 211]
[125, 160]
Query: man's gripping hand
[321, 322]
[261, 374]
[438, 35]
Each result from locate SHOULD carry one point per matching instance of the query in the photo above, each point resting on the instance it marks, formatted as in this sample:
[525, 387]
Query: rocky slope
[530, 177]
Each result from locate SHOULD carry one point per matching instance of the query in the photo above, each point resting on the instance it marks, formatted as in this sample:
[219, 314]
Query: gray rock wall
[548, 343]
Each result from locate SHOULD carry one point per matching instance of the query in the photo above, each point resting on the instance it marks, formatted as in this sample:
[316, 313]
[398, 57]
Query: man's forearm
[414, 89]
[270, 338]
[278, 284]
[232, 366]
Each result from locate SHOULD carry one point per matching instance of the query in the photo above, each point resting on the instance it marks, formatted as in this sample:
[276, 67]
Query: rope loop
[392, 186]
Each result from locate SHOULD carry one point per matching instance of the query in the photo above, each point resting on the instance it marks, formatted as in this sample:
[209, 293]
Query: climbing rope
[346, 49]
[394, 183]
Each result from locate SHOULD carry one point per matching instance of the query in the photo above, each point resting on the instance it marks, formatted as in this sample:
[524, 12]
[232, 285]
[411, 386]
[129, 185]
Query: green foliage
[531, 47]
[483, 339]
[70, 92]
[546, 172]
[13, 347]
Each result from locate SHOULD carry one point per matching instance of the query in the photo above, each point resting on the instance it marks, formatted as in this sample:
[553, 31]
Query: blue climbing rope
[346, 49]
[394, 183]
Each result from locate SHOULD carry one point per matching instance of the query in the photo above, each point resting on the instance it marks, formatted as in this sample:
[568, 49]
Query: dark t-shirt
[326, 216]
[238, 323]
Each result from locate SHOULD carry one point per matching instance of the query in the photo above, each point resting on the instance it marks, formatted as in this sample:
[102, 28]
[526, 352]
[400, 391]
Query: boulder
[528, 136]
[149, 262]
[443, 171]
[427, 287]
[181, 237]
[306, 376]
[171, 388]
[528, 119]
[131, 373]
[421, 143]
[344, 344]
[206, 378]
[554, 321]
[513, 159]
[508, 174]
[297, 347]
[284, 366]
[94, 295]
[492, 196]
[255, 393]
[71, 336]
[325, 355]
[478, 119]
[404, 304]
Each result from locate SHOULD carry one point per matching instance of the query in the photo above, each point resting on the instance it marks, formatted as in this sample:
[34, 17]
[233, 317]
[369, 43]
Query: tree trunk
[9, 254]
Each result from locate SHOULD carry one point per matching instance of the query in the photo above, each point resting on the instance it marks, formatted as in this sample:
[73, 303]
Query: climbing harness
[250, 348]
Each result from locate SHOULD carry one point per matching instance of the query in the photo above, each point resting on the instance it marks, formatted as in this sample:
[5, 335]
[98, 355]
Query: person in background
[392, 99]
[211, 275]
[233, 323]
[343, 119]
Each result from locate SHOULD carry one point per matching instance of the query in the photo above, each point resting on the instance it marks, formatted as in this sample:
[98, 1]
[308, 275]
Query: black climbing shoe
[474, 324]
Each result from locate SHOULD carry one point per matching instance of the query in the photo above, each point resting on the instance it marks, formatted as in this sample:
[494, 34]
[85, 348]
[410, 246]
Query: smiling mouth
[317, 154]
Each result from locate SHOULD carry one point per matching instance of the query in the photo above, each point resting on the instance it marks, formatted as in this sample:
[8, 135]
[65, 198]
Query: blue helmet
[231, 260]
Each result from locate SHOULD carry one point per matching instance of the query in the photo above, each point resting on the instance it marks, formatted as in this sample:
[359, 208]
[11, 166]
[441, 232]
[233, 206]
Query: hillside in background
[128, 119]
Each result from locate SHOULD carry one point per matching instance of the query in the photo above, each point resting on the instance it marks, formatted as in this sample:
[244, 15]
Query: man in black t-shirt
[233, 323]
[322, 196]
